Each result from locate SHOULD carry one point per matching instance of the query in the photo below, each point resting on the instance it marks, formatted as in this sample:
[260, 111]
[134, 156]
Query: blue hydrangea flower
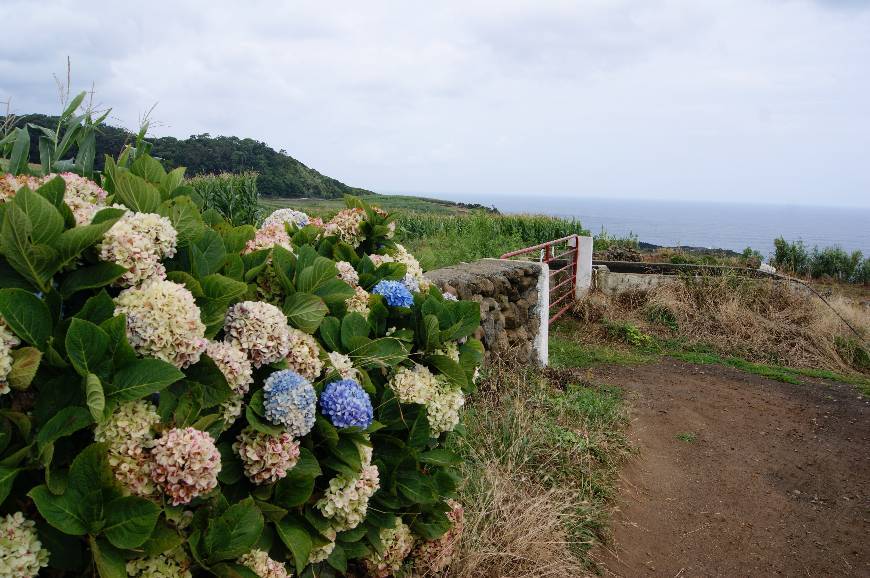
[395, 293]
[290, 401]
[346, 404]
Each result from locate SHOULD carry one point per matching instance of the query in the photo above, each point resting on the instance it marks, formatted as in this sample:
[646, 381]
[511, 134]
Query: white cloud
[735, 99]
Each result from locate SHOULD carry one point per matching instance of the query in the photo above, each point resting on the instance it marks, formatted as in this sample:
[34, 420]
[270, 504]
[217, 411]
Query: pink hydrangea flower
[259, 329]
[266, 458]
[233, 363]
[437, 555]
[186, 464]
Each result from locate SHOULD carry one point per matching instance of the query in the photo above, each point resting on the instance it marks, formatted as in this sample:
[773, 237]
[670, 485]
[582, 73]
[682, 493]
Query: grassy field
[541, 450]
[400, 203]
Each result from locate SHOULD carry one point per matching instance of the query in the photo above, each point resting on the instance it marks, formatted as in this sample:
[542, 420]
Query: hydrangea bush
[180, 397]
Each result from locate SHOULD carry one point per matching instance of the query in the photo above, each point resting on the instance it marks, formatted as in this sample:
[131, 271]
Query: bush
[186, 396]
[827, 263]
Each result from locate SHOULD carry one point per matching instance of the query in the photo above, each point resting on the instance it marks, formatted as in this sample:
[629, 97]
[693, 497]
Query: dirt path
[776, 481]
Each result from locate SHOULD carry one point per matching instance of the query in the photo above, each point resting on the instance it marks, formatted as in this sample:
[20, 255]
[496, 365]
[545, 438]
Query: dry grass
[540, 463]
[763, 321]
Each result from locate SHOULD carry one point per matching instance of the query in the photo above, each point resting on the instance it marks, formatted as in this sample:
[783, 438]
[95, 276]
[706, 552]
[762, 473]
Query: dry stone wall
[513, 298]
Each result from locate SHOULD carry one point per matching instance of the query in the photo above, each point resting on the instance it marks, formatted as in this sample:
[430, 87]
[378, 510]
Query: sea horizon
[716, 224]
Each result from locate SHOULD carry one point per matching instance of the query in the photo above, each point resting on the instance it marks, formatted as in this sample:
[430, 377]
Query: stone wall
[514, 304]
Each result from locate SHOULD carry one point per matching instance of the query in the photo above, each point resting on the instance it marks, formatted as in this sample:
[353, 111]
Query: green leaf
[130, 521]
[353, 325]
[109, 561]
[163, 539]
[415, 487]
[337, 559]
[85, 345]
[20, 151]
[234, 532]
[295, 536]
[72, 242]
[305, 311]
[91, 277]
[120, 350]
[309, 279]
[27, 315]
[7, 478]
[383, 352]
[25, 363]
[330, 333]
[284, 265]
[65, 422]
[137, 194]
[450, 369]
[149, 169]
[98, 308]
[207, 254]
[96, 398]
[36, 263]
[59, 511]
[187, 280]
[236, 238]
[142, 377]
[185, 218]
[222, 289]
[439, 457]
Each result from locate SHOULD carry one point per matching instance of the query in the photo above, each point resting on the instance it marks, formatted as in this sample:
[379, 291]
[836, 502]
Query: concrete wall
[514, 304]
[611, 283]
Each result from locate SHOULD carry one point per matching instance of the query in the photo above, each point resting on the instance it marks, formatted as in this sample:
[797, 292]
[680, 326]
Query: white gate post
[583, 271]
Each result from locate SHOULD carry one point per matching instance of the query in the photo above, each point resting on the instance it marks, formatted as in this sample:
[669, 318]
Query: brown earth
[776, 483]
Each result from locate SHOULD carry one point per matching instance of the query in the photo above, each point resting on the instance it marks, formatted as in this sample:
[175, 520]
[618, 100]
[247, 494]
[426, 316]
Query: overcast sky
[722, 100]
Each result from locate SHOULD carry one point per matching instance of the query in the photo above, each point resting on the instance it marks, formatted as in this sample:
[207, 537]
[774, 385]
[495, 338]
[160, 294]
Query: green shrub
[826, 263]
[628, 333]
[148, 420]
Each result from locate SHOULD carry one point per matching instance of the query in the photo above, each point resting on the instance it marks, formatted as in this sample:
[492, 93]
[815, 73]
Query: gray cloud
[732, 99]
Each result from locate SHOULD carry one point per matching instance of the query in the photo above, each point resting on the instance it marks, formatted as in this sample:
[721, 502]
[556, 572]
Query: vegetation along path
[739, 475]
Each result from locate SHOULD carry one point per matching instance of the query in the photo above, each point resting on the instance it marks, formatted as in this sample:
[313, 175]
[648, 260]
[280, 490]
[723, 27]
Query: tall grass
[233, 195]
[440, 240]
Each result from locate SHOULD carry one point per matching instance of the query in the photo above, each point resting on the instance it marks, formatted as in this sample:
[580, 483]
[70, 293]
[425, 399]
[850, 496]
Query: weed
[688, 437]
[661, 315]
[567, 352]
[628, 333]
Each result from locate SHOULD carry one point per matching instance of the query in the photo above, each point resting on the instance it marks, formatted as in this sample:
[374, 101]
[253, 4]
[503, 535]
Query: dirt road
[738, 475]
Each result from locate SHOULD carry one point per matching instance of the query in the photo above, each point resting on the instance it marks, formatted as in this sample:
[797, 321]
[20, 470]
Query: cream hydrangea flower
[83, 196]
[449, 349]
[10, 184]
[397, 542]
[264, 566]
[138, 241]
[186, 464]
[259, 329]
[172, 564]
[266, 458]
[8, 340]
[414, 278]
[267, 237]
[414, 384]
[321, 553]
[342, 364]
[128, 433]
[304, 355]
[347, 273]
[346, 226]
[163, 322]
[21, 552]
[359, 303]
[346, 500]
[444, 407]
[233, 363]
[231, 409]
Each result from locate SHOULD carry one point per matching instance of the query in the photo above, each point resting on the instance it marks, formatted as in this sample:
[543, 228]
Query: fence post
[542, 340]
[583, 266]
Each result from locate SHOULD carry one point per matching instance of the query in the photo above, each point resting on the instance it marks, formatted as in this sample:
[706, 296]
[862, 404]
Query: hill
[280, 175]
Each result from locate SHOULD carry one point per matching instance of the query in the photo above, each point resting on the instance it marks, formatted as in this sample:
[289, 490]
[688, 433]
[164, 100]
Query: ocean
[716, 225]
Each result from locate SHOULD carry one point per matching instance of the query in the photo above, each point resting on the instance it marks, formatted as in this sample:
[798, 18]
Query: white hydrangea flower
[414, 384]
[8, 340]
[347, 273]
[163, 321]
[444, 407]
[359, 303]
[346, 226]
[303, 356]
[346, 500]
[233, 363]
[259, 329]
[264, 566]
[269, 236]
[449, 349]
[172, 564]
[343, 365]
[83, 196]
[321, 553]
[282, 216]
[21, 552]
[128, 433]
[139, 241]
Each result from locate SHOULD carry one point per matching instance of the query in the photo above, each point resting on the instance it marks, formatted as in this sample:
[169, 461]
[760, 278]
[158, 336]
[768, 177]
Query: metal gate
[562, 257]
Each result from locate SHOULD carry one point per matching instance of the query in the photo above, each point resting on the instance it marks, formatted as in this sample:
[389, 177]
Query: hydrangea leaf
[27, 315]
[305, 311]
[294, 535]
[130, 521]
